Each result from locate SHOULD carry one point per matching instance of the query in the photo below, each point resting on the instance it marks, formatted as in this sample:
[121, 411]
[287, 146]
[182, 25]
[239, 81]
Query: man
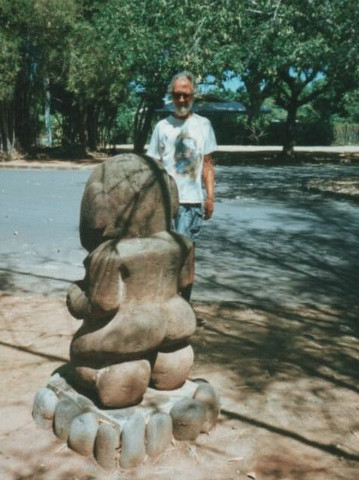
[184, 142]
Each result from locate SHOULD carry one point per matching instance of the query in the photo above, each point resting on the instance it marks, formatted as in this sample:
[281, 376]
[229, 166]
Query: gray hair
[185, 74]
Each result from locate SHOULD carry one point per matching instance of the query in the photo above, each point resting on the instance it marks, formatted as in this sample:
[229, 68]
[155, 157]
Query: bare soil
[288, 382]
[288, 385]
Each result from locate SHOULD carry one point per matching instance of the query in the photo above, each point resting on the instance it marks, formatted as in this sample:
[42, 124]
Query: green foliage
[346, 134]
[9, 63]
[349, 108]
[107, 63]
[296, 50]
[122, 131]
[154, 39]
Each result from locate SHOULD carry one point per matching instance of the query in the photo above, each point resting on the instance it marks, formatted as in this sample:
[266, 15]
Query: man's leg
[188, 223]
[187, 290]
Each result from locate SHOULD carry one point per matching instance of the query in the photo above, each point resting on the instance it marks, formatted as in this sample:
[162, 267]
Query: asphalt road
[271, 240]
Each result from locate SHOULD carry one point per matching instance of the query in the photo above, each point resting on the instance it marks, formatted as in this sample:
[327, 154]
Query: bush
[346, 134]
[310, 133]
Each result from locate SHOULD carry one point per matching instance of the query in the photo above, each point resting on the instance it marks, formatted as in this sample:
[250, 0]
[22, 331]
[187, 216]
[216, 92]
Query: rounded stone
[181, 320]
[158, 433]
[129, 196]
[188, 416]
[85, 377]
[44, 406]
[82, 433]
[171, 368]
[208, 395]
[124, 384]
[66, 410]
[133, 331]
[107, 446]
[133, 449]
[76, 301]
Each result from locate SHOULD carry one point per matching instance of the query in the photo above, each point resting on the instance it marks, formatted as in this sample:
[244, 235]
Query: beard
[183, 110]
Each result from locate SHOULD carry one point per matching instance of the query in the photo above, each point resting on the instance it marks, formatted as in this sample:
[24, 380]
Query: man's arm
[152, 149]
[208, 179]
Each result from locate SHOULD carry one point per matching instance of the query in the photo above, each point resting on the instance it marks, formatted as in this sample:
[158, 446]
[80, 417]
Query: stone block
[44, 406]
[188, 416]
[133, 449]
[124, 384]
[66, 410]
[123, 436]
[158, 433]
[82, 433]
[209, 397]
[107, 446]
[171, 367]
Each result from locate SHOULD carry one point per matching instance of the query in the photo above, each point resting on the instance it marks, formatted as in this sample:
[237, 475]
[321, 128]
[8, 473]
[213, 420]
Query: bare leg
[186, 290]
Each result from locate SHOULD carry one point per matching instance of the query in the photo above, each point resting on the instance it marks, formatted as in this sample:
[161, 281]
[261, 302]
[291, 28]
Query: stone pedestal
[122, 438]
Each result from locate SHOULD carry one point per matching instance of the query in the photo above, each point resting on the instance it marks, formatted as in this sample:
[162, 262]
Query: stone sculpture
[133, 340]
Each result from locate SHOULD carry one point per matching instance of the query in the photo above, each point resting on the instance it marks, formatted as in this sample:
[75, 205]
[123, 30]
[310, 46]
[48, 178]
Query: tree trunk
[290, 129]
[47, 113]
[81, 126]
[253, 114]
[92, 127]
[7, 137]
[142, 125]
[26, 121]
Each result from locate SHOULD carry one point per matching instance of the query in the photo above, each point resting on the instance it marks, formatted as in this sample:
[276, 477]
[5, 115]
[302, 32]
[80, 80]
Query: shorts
[189, 220]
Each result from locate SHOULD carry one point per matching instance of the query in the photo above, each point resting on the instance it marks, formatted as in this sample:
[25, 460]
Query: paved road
[297, 149]
[271, 241]
[278, 243]
[272, 148]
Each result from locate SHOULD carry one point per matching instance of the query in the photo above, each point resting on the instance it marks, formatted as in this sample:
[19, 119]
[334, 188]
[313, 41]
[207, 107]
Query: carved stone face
[127, 196]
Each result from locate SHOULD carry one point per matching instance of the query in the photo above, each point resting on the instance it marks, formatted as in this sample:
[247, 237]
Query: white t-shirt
[181, 145]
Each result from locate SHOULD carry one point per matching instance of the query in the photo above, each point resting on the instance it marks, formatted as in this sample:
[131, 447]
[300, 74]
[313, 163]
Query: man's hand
[208, 208]
[208, 177]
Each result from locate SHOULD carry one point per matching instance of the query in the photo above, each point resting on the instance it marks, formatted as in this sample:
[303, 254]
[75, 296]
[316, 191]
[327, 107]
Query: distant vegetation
[81, 74]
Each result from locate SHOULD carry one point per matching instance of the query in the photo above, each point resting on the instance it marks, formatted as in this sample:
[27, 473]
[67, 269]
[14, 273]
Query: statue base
[122, 438]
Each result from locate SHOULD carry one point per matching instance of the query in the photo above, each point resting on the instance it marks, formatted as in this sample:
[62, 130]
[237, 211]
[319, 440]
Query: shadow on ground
[284, 356]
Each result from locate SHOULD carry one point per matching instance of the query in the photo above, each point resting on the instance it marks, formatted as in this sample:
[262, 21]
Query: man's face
[182, 97]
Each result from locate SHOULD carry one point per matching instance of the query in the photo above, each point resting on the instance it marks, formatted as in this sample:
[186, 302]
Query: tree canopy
[83, 62]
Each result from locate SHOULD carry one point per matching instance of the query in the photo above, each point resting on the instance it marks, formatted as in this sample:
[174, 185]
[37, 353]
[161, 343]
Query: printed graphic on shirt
[187, 156]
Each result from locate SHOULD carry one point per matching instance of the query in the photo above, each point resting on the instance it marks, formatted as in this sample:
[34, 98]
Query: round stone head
[127, 196]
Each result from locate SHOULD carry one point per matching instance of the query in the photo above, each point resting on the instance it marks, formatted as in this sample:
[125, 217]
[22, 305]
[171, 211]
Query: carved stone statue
[131, 354]
[135, 324]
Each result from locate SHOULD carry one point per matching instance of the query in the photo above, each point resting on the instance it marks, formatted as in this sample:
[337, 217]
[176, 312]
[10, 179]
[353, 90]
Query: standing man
[184, 142]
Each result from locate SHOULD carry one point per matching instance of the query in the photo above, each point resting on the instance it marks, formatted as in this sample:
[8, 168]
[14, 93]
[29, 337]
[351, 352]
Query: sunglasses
[186, 96]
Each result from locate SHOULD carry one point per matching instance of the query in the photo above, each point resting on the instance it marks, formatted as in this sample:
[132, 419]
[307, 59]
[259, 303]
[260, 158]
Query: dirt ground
[288, 382]
[287, 379]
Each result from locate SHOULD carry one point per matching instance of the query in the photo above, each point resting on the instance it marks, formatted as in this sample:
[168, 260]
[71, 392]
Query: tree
[9, 66]
[239, 50]
[152, 40]
[295, 50]
[84, 59]
[97, 82]
[311, 43]
[10, 58]
[34, 34]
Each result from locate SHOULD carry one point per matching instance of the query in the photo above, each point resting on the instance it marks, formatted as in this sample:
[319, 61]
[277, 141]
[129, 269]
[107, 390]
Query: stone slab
[129, 434]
